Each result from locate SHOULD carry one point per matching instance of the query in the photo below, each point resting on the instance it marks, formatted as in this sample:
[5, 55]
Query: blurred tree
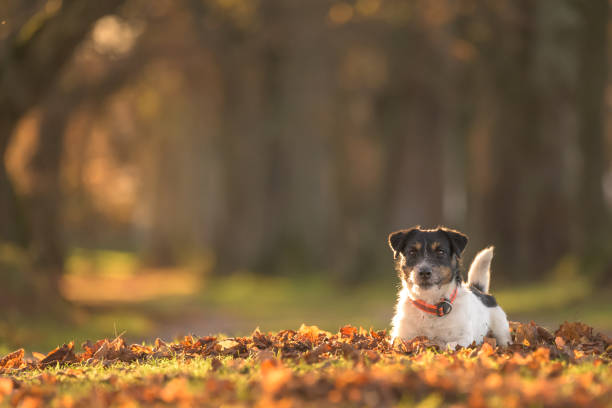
[294, 136]
[32, 58]
[594, 246]
[510, 55]
[516, 188]
[43, 201]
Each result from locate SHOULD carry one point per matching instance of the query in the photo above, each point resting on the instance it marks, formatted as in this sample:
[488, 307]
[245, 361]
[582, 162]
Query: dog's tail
[480, 270]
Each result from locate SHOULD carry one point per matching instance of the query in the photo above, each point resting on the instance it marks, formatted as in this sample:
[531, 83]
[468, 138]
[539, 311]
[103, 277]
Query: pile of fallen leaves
[308, 367]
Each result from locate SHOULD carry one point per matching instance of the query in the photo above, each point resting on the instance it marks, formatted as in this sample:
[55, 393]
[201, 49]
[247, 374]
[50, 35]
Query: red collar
[442, 308]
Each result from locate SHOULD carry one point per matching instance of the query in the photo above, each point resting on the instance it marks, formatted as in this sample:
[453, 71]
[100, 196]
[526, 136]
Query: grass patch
[115, 293]
[544, 296]
[39, 334]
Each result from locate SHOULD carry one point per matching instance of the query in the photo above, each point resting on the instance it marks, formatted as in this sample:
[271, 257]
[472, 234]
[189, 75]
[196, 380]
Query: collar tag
[444, 307]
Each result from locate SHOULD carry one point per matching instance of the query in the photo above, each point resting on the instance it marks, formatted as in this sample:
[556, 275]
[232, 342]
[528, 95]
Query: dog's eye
[440, 252]
[412, 253]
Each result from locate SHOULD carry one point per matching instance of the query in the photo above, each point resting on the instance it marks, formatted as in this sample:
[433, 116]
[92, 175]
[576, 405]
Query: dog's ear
[458, 240]
[397, 240]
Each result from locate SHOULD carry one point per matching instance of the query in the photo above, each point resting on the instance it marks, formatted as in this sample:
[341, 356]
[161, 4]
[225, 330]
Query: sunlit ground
[115, 295]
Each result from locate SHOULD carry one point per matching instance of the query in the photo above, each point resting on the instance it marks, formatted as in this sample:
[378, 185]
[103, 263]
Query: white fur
[469, 321]
[480, 270]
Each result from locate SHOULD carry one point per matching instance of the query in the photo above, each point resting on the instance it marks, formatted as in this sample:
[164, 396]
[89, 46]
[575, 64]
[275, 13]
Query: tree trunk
[29, 67]
[513, 191]
[43, 203]
[12, 222]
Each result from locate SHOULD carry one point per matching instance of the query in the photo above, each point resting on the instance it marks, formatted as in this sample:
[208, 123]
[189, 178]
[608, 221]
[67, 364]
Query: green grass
[276, 303]
[238, 303]
[129, 372]
[44, 333]
[543, 296]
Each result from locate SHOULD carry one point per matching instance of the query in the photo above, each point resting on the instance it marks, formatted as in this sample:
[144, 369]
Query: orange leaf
[559, 342]
[12, 360]
[268, 365]
[31, 402]
[541, 355]
[175, 390]
[348, 331]
[486, 350]
[494, 381]
[6, 387]
[274, 377]
[63, 354]
[38, 356]
[491, 341]
[311, 332]
[228, 344]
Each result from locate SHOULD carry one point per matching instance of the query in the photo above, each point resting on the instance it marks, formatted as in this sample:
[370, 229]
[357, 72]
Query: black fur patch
[477, 286]
[486, 299]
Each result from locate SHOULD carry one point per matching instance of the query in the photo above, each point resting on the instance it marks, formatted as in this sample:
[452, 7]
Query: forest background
[196, 166]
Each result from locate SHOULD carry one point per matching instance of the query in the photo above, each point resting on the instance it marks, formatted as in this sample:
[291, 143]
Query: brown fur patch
[446, 274]
[417, 246]
[435, 246]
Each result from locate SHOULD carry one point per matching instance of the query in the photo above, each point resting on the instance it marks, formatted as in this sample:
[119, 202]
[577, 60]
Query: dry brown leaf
[6, 387]
[215, 364]
[63, 354]
[450, 375]
[486, 350]
[274, 377]
[175, 390]
[575, 332]
[38, 356]
[559, 342]
[228, 344]
[102, 353]
[160, 345]
[260, 340]
[216, 387]
[526, 334]
[31, 402]
[12, 360]
[348, 331]
[314, 356]
[490, 341]
[263, 355]
[310, 332]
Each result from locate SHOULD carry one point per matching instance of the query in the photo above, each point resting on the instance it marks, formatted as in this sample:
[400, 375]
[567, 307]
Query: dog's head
[428, 258]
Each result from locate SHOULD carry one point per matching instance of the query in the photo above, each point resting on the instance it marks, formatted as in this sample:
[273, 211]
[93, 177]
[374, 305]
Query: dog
[433, 300]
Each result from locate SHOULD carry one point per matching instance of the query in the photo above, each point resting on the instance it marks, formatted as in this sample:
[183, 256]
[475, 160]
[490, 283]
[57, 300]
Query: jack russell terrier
[434, 301]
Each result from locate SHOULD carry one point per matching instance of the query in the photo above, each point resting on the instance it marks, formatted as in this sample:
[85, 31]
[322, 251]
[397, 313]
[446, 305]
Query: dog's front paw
[504, 340]
[452, 345]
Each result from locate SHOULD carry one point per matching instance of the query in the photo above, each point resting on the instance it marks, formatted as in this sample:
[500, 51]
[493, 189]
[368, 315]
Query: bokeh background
[201, 166]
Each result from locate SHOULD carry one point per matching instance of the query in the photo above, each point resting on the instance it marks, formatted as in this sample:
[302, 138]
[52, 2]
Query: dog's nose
[424, 273]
